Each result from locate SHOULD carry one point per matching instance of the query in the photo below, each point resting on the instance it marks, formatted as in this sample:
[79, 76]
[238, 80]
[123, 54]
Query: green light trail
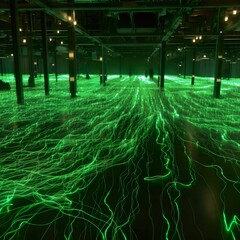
[124, 161]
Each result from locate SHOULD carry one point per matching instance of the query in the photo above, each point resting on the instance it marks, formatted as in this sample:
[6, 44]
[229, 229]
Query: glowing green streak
[55, 152]
[168, 227]
[235, 222]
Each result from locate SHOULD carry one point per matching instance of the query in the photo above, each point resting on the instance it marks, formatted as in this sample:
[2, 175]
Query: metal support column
[159, 68]
[151, 68]
[104, 66]
[56, 64]
[120, 66]
[193, 65]
[16, 51]
[162, 63]
[87, 69]
[45, 52]
[218, 58]
[218, 66]
[185, 63]
[31, 81]
[72, 61]
[1, 66]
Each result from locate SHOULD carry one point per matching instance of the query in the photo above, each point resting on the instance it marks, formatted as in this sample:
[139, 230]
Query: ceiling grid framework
[125, 27]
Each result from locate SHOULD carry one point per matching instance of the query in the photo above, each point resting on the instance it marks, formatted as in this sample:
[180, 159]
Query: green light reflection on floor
[55, 152]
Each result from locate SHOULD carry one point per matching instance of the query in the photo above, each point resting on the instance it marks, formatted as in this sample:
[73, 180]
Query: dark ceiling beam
[64, 17]
[121, 6]
[219, 3]
[21, 7]
[174, 25]
[64, 33]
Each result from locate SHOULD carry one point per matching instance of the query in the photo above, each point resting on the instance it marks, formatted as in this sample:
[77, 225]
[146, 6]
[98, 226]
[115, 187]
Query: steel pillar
[218, 66]
[16, 51]
[56, 65]
[72, 61]
[162, 63]
[103, 77]
[185, 63]
[120, 66]
[31, 81]
[45, 52]
[1, 66]
[193, 65]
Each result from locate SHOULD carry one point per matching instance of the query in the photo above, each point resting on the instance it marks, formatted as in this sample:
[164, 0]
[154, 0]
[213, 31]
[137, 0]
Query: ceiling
[124, 27]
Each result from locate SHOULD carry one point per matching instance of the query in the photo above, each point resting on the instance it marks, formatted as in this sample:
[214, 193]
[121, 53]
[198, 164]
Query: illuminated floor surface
[124, 161]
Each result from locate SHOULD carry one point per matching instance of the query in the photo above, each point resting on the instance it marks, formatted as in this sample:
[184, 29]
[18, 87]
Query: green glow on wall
[78, 168]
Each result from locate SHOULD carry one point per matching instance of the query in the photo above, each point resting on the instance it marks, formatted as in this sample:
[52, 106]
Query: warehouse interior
[119, 119]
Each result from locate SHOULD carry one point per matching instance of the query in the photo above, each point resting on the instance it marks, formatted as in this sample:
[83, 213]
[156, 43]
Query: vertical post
[151, 68]
[56, 64]
[218, 59]
[1, 66]
[35, 68]
[162, 63]
[218, 66]
[193, 65]
[159, 68]
[16, 51]
[31, 81]
[229, 70]
[72, 62]
[104, 73]
[87, 69]
[120, 65]
[185, 63]
[45, 52]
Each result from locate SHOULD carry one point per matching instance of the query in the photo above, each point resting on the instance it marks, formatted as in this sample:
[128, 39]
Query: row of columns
[17, 54]
[16, 51]
[103, 67]
[72, 55]
[71, 49]
[218, 65]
